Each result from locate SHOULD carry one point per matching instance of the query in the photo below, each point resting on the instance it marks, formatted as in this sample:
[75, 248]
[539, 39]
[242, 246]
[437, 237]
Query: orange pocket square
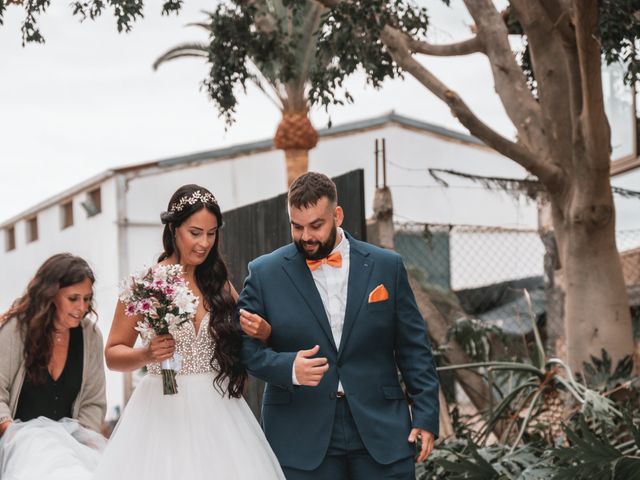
[378, 294]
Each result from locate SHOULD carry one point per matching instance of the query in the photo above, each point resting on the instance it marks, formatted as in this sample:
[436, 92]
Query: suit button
[332, 396]
[340, 364]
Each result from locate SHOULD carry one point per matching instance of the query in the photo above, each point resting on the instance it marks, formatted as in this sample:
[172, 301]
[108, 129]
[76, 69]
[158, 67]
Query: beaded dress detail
[195, 348]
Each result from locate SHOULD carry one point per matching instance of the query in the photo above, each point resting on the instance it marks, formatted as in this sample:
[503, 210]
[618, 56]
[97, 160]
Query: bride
[206, 430]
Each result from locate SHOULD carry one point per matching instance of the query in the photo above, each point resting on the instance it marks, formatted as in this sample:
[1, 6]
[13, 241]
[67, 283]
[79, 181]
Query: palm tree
[275, 48]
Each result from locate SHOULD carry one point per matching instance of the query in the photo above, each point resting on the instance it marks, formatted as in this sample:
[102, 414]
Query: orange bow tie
[333, 260]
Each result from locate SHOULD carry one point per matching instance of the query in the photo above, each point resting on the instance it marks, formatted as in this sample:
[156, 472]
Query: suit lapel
[298, 272]
[360, 268]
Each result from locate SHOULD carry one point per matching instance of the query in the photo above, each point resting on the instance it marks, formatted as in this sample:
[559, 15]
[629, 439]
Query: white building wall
[235, 182]
[627, 209]
[93, 238]
[417, 196]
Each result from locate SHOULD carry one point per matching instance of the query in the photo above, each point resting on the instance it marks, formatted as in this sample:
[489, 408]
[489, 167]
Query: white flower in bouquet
[186, 302]
[160, 273]
[174, 322]
[145, 331]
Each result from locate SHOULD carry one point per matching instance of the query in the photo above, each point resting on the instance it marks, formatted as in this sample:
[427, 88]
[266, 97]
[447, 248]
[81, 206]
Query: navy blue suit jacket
[378, 339]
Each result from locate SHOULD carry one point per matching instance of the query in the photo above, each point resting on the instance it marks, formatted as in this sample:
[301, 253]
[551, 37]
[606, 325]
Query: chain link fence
[487, 269]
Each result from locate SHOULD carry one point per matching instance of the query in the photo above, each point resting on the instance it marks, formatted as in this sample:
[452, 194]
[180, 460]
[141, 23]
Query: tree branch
[594, 123]
[397, 45]
[552, 77]
[510, 82]
[560, 13]
[465, 47]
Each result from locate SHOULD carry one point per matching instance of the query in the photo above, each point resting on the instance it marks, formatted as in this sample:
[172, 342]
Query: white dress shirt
[332, 284]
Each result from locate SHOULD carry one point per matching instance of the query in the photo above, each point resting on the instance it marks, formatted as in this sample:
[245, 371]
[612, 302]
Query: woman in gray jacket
[51, 370]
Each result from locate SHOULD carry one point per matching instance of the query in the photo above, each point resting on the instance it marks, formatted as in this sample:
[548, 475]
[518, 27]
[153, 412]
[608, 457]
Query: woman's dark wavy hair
[212, 278]
[35, 311]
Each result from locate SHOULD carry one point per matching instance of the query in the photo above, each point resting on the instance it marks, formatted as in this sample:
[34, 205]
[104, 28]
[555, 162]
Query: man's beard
[324, 248]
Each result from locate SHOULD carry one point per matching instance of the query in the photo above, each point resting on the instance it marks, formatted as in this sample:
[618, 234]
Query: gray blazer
[90, 405]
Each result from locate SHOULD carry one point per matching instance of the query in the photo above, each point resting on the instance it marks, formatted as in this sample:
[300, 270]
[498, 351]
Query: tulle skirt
[44, 449]
[196, 434]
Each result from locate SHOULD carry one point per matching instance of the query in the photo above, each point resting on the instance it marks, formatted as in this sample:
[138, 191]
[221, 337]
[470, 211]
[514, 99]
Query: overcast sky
[88, 100]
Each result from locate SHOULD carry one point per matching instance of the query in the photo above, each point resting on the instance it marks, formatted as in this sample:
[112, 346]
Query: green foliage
[474, 336]
[125, 11]
[234, 43]
[589, 455]
[463, 460]
[601, 437]
[350, 37]
[619, 28]
[591, 452]
[599, 376]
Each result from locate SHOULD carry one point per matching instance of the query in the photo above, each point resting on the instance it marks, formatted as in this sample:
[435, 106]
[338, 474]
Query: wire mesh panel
[488, 268]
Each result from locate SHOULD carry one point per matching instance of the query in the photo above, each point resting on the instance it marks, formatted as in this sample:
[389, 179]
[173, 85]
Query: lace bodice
[196, 350]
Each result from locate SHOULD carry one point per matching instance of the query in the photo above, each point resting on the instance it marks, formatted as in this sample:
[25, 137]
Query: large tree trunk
[597, 314]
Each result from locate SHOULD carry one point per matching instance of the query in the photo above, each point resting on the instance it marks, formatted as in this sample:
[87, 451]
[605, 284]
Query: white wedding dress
[196, 434]
[45, 449]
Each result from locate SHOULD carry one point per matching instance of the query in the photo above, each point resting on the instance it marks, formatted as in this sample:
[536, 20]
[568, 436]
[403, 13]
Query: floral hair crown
[192, 199]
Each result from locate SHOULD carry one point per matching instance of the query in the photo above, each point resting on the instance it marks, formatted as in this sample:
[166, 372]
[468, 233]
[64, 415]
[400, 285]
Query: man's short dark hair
[309, 188]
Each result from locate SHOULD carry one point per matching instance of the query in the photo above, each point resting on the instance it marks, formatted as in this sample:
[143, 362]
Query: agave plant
[273, 46]
[600, 434]
[535, 392]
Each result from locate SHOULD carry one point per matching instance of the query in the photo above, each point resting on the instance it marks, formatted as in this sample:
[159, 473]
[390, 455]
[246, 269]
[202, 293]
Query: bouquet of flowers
[160, 295]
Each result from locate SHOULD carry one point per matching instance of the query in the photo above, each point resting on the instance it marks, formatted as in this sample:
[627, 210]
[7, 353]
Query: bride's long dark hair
[212, 278]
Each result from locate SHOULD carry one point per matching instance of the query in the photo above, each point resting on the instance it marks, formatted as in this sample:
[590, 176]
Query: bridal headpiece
[196, 197]
[192, 199]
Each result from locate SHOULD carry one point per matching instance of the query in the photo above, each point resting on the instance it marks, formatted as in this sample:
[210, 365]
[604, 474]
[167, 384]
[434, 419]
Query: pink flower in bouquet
[144, 306]
[168, 290]
[130, 309]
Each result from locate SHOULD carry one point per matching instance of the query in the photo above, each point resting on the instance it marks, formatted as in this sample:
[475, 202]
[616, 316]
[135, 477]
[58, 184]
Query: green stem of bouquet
[169, 384]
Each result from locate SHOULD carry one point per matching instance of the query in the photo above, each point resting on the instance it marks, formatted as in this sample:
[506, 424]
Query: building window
[66, 214]
[32, 229]
[93, 203]
[10, 238]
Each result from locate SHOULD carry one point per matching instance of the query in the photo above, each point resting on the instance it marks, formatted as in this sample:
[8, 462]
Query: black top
[54, 398]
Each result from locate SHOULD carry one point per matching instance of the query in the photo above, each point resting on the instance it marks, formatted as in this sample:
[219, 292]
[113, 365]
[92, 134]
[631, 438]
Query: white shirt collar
[343, 245]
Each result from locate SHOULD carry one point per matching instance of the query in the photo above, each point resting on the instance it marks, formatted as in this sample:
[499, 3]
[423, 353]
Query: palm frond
[181, 51]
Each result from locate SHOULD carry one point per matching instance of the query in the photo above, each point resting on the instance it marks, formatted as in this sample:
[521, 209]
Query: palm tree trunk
[297, 161]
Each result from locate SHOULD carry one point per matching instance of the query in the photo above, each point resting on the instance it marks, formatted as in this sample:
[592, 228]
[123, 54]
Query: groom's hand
[427, 442]
[309, 371]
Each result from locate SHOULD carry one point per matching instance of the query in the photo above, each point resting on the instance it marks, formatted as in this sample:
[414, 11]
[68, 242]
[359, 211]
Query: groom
[344, 322]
